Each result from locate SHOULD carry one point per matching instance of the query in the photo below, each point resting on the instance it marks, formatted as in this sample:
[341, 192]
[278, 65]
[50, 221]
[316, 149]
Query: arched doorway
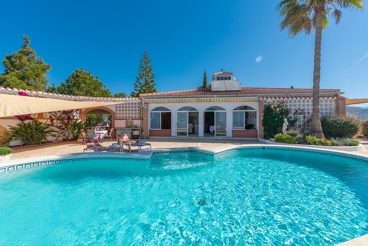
[99, 117]
[215, 121]
[187, 122]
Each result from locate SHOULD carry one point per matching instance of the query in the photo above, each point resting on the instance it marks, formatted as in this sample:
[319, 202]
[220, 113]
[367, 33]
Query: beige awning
[356, 101]
[11, 105]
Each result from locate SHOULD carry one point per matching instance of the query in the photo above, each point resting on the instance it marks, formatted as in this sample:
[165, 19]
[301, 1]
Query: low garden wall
[160, 133]
[246, 133]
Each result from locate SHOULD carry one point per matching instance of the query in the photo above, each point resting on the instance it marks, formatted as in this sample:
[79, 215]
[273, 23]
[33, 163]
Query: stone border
[144, 155]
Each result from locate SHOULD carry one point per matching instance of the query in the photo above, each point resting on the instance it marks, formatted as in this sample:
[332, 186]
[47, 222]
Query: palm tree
[306, 15]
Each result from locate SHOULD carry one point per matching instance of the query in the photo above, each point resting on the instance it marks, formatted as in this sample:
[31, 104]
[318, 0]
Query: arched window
[160, 118]
[244, 117]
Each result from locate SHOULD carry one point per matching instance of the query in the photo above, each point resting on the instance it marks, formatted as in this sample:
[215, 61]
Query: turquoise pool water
[241, 197]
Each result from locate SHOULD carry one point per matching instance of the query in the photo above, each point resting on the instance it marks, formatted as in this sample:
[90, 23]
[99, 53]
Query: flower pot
[4, 158]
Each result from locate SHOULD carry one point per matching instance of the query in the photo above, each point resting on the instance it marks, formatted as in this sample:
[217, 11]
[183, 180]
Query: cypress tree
[144, 82]
[23, 70]
[205, 85]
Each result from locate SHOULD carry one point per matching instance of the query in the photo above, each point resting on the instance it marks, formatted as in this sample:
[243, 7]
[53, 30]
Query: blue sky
[184, 38]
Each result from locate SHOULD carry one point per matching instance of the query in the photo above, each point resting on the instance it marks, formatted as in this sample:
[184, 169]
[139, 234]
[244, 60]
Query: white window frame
[251, 113]
[159, 112]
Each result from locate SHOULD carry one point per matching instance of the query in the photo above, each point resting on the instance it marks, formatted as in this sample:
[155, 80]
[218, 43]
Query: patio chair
[110, 134]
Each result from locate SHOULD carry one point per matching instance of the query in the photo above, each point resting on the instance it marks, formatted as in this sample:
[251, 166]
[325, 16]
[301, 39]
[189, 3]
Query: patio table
[101, 134]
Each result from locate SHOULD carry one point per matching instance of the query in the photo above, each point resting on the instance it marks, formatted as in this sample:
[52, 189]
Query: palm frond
[346, 4]
[337, 15]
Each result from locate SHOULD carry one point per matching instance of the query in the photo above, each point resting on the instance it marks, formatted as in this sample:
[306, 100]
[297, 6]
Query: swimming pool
[246, 196]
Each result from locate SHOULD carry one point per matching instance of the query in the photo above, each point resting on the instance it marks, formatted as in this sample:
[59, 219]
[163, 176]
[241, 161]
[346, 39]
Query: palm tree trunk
[316, 128]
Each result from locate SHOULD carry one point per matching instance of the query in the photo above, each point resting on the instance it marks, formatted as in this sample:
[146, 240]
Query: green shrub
[336, 142]
[364, 128]
[273, 118]
[300, 139]
[340, 126]
[34, 132]
[284, 138]
[351, 142]
[293, 133]
[5, 151]
[76, 129]
[310, 139]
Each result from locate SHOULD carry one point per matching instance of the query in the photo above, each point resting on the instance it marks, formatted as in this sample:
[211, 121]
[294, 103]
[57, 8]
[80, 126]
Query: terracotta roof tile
[246, 91]
[15, 91]
[223, 73]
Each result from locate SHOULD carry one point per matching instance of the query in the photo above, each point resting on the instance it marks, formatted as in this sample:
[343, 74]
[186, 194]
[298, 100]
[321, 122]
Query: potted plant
[5, 153]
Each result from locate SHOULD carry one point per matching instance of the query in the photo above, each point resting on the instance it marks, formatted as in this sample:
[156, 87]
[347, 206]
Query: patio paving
[73, 147]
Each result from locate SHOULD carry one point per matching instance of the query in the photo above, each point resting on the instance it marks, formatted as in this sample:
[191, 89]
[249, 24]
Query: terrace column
[260, 118]
[145, 124]
[200, 123]
[229, 123]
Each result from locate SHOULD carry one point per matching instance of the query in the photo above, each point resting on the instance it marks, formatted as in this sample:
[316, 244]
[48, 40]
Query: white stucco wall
[201, 107]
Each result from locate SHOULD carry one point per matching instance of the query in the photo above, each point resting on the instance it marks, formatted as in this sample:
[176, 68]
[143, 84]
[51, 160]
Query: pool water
[240, 197]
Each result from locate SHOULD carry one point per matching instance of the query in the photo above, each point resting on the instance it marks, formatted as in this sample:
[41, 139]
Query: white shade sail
[11, 105]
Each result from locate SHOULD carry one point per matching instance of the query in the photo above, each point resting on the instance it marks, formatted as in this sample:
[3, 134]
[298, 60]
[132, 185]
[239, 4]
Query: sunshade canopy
[11, 105]
[356, 101]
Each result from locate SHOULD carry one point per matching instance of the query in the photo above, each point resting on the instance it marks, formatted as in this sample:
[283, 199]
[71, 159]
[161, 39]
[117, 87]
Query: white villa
[225, 110]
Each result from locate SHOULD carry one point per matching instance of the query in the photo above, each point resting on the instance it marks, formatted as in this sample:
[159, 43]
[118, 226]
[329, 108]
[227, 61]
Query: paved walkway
[158, 144]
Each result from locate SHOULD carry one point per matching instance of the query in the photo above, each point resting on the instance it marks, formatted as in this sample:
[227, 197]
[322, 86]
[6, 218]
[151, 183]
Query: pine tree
[120, 95]
[23, 70]
[82, 83]
[205, 85]
[144, 82]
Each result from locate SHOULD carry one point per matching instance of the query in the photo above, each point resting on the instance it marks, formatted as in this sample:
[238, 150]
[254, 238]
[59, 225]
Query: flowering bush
[273, 118]
[67, 124]
[340, 126]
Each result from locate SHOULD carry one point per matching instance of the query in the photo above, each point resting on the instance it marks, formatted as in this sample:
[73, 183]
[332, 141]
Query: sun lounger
[123, 139]
[94, 145]
[140, 144]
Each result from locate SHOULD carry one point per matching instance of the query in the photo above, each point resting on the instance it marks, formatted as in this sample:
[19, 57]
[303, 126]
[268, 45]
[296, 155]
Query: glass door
[182, 125]
[220, 124]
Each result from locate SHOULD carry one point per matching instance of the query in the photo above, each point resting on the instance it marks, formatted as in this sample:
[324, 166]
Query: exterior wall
[122, 123]
[341, 106]
[160, 133]
[248, 133]
[145, 123]
[328, 106]
[201, 107]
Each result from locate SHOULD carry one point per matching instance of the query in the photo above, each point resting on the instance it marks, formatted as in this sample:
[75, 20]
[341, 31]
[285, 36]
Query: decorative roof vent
[224, 81]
